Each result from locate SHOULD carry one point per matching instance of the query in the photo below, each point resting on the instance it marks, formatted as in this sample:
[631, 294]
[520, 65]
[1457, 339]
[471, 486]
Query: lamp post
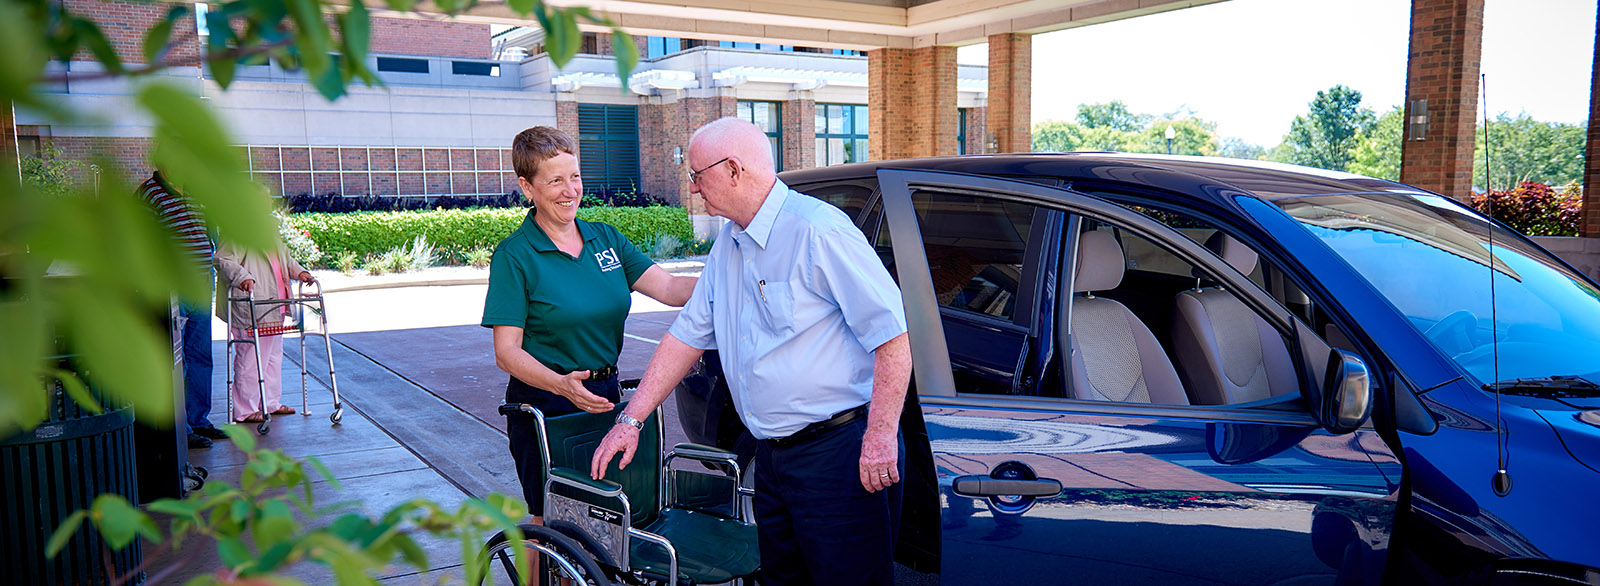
[1171, 134]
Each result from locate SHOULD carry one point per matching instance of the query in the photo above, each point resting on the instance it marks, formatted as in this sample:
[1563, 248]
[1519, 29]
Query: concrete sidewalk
[336, 281]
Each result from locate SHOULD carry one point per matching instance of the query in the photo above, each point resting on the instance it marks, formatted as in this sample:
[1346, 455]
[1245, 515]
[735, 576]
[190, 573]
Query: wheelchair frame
[608, 540]
[296, 303]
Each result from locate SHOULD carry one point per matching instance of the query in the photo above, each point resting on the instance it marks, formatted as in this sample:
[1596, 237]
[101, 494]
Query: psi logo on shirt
[607, 259]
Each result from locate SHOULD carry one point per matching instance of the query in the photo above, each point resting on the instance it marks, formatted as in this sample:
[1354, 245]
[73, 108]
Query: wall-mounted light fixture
[1418, 120]
[677, 155]
[992, 145]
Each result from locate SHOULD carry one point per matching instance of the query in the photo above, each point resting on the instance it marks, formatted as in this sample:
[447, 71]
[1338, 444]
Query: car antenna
[1502, 478]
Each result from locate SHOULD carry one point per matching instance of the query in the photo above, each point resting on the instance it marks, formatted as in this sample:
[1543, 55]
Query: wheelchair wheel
[561, 560]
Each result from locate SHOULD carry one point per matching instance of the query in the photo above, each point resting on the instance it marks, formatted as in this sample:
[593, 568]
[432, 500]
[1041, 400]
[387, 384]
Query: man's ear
[735, 167]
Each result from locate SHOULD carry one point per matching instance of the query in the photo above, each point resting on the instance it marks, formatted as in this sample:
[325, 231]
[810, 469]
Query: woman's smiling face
[557, 189]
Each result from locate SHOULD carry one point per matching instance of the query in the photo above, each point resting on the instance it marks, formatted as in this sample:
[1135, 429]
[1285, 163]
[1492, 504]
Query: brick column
[567, 116]
[698, 112]
[799, 141]
[661, 130]
[1591, 174]
[10, 153]
[1446, 46]
[1011, 92]
[911, 102]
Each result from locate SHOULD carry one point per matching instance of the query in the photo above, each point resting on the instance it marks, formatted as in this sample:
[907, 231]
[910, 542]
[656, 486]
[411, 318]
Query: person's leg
[272, 367]
[846, 534]
[197, 366]
[781, 562]
[246, 394]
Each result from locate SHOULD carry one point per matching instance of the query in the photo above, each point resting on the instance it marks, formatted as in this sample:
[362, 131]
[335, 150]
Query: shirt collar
[541, 241]
[760, 228]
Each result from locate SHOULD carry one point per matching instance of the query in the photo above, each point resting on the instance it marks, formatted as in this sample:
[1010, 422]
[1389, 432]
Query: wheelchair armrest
[703, 453]
[582, 482]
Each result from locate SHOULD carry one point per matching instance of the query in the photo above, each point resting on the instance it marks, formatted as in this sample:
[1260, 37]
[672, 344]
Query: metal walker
[296, 303]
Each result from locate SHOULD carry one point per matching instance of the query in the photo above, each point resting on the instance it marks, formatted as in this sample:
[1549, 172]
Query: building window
[961, 131]
[841, 134]
[608, 141]
[590, 44]
[661, 46]
[402, 65]
[480, 68]
[768, 116]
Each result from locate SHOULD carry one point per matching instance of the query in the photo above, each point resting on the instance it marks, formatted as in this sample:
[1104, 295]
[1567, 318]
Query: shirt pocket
[777, 305]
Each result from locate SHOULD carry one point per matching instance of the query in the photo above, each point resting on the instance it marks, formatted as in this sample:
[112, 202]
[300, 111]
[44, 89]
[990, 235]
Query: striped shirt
[180, 217]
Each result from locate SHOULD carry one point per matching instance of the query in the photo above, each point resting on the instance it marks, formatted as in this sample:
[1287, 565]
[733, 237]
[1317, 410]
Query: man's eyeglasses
[694, 176]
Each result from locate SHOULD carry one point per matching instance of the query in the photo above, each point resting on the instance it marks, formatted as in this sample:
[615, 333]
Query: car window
[850, 196]
[975, 247]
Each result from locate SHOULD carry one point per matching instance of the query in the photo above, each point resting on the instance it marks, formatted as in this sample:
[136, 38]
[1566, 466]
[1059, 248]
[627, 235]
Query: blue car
[1154, 369]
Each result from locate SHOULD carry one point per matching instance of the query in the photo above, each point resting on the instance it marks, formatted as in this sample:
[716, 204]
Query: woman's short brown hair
[537, 145]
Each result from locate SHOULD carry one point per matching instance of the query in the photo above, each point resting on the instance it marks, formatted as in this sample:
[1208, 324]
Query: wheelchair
[651, 524]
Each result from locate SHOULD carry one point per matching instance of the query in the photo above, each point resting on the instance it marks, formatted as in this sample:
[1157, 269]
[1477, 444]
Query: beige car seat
[1114, 355]
[1226, 353]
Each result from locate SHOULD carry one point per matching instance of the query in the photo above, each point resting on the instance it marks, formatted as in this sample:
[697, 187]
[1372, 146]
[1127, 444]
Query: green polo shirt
[570, 309]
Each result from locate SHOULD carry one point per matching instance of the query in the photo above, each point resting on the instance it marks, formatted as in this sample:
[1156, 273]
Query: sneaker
[210, 432]
[198, 442]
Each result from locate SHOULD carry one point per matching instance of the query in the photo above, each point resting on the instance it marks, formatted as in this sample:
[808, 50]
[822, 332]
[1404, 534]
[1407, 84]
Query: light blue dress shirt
[796, 303]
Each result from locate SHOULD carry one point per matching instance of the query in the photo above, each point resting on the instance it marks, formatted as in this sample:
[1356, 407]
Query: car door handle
[987, 486]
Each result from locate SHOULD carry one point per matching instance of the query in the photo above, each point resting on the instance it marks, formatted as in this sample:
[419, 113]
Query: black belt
[810, 432]
[603, 373]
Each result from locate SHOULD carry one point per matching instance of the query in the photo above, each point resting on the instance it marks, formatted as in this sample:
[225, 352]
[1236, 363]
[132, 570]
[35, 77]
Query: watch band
[625, 418]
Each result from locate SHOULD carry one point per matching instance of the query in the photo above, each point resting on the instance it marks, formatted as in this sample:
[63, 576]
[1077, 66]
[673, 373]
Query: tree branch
[234, 53]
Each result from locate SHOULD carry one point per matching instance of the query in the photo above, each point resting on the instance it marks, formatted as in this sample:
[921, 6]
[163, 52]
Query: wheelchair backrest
[573, 439]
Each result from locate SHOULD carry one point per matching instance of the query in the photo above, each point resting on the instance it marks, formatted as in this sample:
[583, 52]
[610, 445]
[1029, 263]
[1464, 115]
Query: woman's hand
[571, 386]
[247, 285]
[305, 277]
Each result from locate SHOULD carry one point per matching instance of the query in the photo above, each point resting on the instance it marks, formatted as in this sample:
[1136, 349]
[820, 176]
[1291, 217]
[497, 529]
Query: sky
[1251, 66]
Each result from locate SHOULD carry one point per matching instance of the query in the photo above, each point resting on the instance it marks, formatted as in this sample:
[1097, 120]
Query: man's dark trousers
[816, 523]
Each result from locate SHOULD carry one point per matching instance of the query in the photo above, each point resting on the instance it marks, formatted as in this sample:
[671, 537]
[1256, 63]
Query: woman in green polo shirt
[559, 292]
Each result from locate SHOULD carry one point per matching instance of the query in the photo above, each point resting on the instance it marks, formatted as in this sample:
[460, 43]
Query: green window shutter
[608, 144]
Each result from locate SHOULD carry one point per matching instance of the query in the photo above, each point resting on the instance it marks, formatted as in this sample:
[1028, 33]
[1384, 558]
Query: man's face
[711, 178]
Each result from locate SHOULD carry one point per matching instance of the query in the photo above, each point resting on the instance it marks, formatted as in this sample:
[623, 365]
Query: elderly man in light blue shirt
[812, 335]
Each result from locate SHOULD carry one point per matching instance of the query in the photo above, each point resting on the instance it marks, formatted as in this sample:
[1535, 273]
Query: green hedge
[455, 232]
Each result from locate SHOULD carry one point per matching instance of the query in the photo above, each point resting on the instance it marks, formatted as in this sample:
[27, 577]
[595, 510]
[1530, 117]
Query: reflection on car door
[1102, 492]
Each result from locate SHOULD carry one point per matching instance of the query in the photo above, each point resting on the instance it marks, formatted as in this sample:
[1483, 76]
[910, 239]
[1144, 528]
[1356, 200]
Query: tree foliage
[1520, 149]
[1535, 209]
[1325, 136]
[1111, 127]
[1377, 150]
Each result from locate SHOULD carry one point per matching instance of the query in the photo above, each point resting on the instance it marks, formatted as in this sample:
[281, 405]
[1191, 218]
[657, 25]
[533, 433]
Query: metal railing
[502, 156]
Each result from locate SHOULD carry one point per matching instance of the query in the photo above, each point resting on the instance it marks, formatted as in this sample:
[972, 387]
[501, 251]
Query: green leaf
[24, 62]
[411, 552]
[26, 399]
[275, 524]
[76, 389]
[64, 533]
[355, 30]
[322, 469]
[627, 55]
[572, 40]
[120, 522]
[235, 555]
[239, 511]
[195, 153]
[523, 7]
[176, 508]
[242, 437]
[89, 34]
[401, 5]
[155, 39]
[123, 350]
[329, 82]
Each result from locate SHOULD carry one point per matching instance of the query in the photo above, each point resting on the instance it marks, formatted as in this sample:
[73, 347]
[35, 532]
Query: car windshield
[1430, 257]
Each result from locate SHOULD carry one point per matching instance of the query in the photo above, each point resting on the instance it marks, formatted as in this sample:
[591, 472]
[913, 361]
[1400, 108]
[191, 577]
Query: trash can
[48, 473]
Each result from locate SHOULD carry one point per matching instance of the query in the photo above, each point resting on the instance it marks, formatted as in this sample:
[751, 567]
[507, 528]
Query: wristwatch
[625, 418]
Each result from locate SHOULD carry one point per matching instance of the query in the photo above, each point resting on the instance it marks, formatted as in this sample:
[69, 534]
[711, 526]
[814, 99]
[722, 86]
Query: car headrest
[1237, 255]
[1100, 262]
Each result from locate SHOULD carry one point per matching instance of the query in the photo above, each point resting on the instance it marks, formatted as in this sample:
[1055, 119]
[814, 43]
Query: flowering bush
[1535, 209]
[301, 247]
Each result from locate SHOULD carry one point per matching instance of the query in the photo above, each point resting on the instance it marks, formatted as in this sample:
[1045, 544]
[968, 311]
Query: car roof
[1193, 175]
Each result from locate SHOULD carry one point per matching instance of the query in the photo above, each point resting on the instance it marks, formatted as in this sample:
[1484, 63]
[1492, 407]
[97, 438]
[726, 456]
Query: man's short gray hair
[737, 137]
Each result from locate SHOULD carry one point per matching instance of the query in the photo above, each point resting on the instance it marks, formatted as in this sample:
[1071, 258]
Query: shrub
[454, 232]
[1535, 209]
[422, 255]
[340, 204]
[301, 246]
[697, 247]
[479, 257]
[667, 246]
[346, 263]
[48, 172]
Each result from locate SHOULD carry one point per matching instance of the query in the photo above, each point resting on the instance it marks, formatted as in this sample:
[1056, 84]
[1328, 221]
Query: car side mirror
[1345, 402]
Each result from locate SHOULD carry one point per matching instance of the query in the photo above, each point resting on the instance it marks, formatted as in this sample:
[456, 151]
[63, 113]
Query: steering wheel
[1453, 334]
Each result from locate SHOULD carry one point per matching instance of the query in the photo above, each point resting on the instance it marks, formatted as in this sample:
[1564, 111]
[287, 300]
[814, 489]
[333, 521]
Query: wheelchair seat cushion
[711, 549]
